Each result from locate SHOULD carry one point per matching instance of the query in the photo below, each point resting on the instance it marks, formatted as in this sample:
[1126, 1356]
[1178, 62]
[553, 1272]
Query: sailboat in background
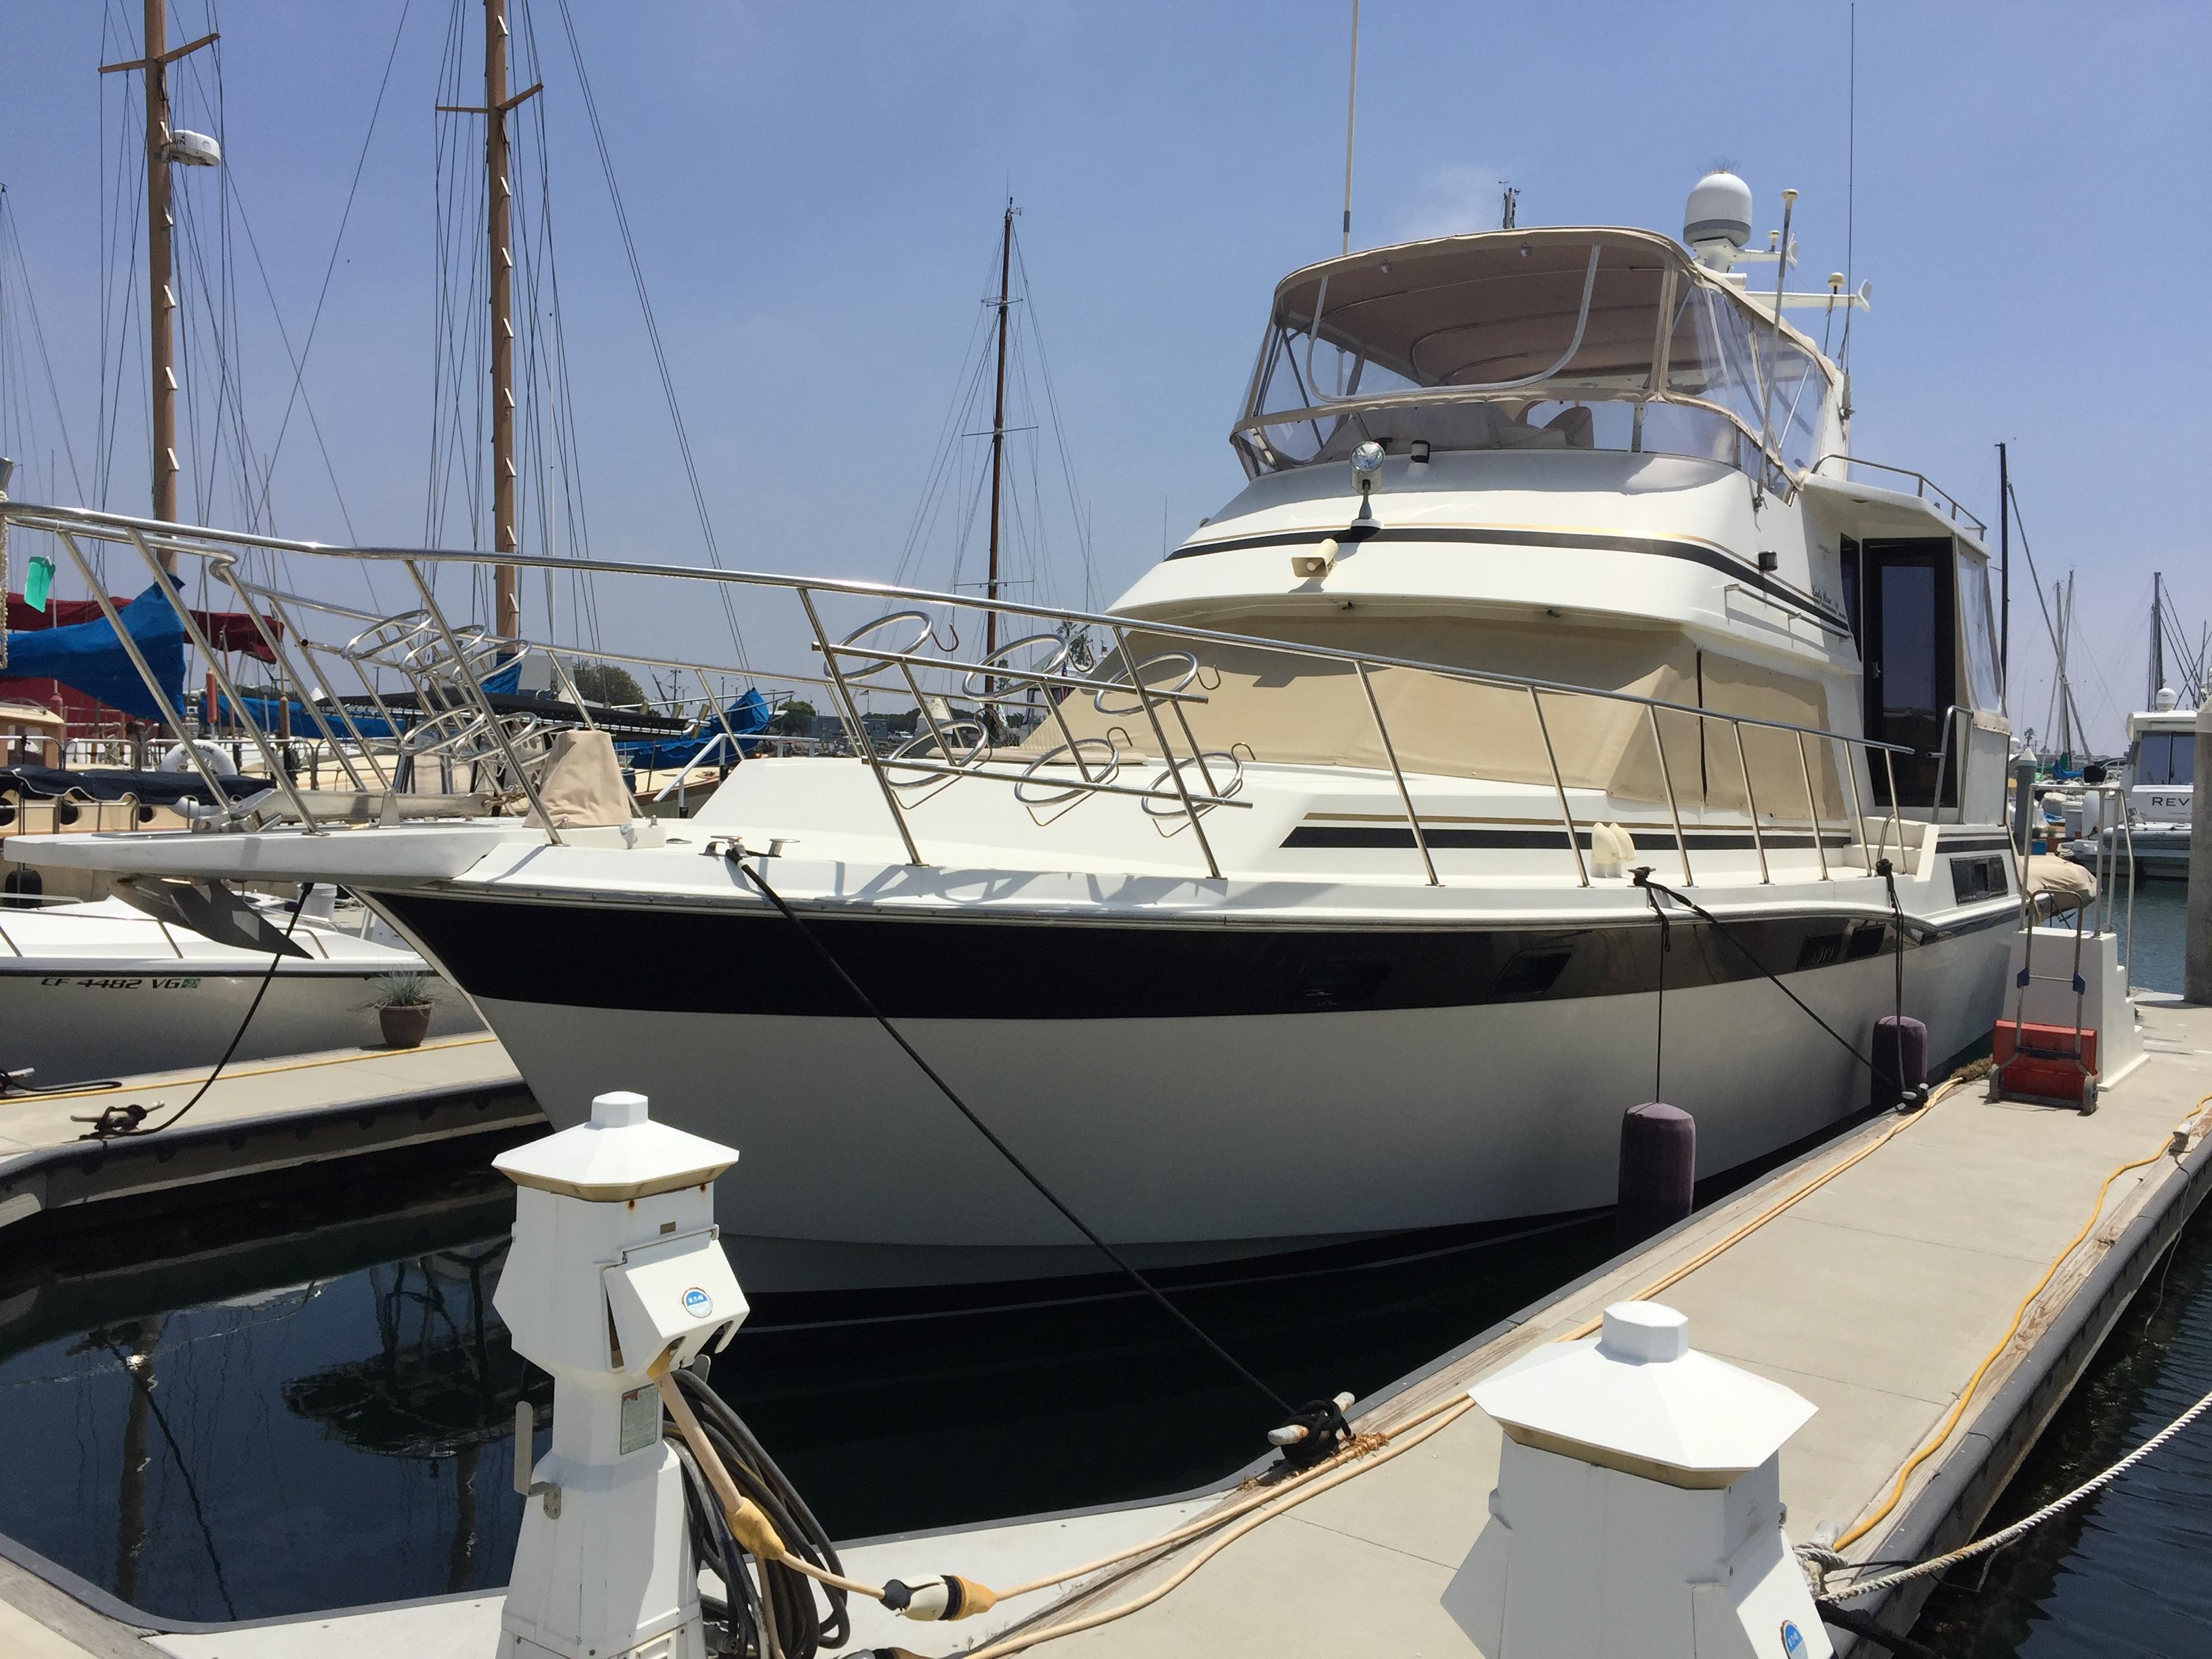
[108, 978]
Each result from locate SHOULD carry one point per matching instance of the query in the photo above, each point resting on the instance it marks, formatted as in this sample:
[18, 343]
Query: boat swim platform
[1875, 1276]
[257, 1119]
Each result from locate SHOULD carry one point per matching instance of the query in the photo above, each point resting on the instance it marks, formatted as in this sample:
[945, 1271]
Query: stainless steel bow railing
[1126, 667]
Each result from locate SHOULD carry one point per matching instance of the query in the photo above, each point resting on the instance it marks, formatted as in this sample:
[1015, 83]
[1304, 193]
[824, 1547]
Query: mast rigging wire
[11, 257]
[330, 269]
[652, 327]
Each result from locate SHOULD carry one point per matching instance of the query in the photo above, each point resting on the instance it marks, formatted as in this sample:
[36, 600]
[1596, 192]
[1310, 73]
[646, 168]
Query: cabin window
[1908, 640]
[1982, 684]
[1723, 355]
[2165, 757]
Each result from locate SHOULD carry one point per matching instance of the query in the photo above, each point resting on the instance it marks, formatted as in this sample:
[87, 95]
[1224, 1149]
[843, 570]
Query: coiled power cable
[769, 1608]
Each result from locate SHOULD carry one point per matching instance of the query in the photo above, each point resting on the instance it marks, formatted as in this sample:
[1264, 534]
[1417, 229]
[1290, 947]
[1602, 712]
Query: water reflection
[289, 1406]
[209, 1434]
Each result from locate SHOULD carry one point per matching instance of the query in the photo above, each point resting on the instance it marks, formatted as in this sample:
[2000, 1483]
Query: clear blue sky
[814, 191]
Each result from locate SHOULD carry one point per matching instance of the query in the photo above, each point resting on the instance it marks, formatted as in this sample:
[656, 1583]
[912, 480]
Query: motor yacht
[1334, 882]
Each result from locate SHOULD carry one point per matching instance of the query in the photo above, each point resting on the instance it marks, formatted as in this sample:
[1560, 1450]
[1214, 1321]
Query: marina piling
[2196, 940]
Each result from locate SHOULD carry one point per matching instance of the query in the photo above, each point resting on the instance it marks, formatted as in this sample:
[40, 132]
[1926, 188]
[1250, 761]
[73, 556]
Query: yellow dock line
[135, 1085]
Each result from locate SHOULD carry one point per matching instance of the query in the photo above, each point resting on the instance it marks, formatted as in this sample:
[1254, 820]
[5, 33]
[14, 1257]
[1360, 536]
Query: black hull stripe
[732, 960]
[1440, 836]
[1975, 844]
[1712, 558]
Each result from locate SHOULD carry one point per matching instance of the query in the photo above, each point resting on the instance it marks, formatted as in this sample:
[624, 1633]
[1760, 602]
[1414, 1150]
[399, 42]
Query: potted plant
[403, 1007]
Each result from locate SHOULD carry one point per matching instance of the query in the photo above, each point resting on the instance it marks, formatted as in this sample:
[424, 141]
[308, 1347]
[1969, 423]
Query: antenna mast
[1350, 117]
[999, 432]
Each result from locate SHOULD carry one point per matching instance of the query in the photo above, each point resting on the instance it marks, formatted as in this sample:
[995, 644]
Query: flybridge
[1555, 339]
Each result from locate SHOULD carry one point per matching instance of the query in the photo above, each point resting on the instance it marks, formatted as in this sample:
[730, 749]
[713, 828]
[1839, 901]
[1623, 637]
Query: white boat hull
[74, 1026]
[1196, 1139]
[89, 992]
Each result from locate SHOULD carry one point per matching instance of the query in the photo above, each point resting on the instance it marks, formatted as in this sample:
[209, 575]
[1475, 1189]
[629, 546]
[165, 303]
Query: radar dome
[1716, 222]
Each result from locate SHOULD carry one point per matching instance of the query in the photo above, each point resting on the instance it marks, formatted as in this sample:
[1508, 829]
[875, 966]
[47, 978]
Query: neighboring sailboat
[92, 986]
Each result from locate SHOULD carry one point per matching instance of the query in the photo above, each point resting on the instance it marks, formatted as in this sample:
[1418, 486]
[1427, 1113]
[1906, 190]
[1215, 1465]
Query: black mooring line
[868, 1004]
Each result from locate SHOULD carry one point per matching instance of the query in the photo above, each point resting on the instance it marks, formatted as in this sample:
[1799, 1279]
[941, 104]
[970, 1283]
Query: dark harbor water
[309, 1404]
[282, 1404]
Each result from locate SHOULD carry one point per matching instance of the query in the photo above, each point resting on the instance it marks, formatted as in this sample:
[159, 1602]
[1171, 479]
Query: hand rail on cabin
[1923, 487]
[1398, 776]
[432, 666]
[1942, 756]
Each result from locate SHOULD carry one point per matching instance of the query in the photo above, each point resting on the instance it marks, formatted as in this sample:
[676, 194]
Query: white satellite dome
[1717, 221]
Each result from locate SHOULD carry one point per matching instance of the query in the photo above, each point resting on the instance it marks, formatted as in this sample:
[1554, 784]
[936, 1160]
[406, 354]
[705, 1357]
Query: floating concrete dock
[1933, 1284]
[256, 1120]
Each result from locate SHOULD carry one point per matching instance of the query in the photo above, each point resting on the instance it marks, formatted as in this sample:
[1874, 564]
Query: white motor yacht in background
[98, 990]
[1297, 897]
[2158, 783]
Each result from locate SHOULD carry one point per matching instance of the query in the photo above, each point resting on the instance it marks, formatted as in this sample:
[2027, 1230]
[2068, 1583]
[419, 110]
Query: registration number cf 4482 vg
[139, 982]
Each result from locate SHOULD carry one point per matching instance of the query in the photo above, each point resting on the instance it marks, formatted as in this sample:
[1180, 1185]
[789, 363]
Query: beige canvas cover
[1275, 706]
[582, 788]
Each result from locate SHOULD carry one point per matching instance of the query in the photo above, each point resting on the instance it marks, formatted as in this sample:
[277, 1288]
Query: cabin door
[1908, 645]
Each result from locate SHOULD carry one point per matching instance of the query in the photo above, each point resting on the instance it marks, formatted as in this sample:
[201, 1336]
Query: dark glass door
[1909, 644]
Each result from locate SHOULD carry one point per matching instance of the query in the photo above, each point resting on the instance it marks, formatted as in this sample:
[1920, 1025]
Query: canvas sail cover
[88, 658]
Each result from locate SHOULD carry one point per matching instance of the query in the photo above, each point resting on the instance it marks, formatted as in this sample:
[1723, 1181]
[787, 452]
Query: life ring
[214, 754]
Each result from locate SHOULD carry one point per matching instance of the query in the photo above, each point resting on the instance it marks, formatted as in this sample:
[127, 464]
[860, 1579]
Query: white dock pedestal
[617, 1267]
[1638, 1506]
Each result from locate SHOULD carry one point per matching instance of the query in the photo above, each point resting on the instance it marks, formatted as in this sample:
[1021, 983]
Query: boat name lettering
[127, 984]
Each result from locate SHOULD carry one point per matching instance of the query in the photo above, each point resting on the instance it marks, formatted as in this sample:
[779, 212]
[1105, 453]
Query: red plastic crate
[2041, 1062]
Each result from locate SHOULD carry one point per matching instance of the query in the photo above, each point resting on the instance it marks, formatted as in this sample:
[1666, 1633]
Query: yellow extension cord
[1935, 1441]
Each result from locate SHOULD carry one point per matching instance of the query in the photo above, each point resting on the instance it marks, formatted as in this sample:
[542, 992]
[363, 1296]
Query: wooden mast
[160, 263]
[160, 291]
[507, 620]
[999, 429]
[507, 610]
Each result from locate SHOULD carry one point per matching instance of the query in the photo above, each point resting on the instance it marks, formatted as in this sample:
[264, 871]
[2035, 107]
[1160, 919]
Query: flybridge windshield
[1554, 340]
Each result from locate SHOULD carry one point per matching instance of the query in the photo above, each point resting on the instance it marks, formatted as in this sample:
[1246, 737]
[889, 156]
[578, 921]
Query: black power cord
[735, 857]
[1864, 1625]
[118, 1122]
[772, 1606]
[1659, 1017]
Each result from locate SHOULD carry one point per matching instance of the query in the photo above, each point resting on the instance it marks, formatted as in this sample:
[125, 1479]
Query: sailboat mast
[507, 610]
[160, 263]
[2157, 640]
[998, 429]
[160, 290]
[2004, 579]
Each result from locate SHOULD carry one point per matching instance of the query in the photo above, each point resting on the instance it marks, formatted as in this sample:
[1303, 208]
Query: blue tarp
[87, 656]
[268, 713]
[748, 714]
